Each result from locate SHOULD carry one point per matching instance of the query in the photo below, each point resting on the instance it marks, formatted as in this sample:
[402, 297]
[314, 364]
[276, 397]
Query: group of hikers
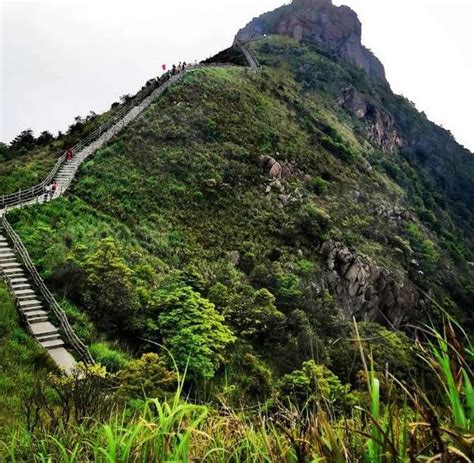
[52, 188]
[175, 69]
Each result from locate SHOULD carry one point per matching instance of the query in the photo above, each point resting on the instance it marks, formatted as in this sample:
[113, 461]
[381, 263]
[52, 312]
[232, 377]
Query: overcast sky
[64, 58]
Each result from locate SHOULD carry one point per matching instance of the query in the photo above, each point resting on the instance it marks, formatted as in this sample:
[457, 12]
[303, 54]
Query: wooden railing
[64, 325]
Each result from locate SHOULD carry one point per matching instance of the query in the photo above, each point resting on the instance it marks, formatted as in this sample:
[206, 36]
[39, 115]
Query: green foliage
[314, 385]
[252, 314]
[21, 360]
[339, 149]
[319, 185]
[112, 359]
[425, 247]
[288, 284]
[146, 377]
[192, 330]
[108, 292]
[387, 349]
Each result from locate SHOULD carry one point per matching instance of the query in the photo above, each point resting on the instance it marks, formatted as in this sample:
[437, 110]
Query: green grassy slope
[183, 188]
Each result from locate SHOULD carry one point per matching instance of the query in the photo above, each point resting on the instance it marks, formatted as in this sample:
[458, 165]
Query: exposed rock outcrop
[337, 29]
[380, 125]
[365, 290]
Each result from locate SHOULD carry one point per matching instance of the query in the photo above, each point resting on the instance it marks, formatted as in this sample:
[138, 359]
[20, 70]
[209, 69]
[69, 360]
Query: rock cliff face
[380, 125]
[319, 21]
[366, 290]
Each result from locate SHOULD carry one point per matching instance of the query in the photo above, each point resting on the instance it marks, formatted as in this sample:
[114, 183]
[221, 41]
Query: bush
[339, 149]
[318, 185]
[192, 330]
[314, 223]
[314, 385]
[147, 377]
[112, 359]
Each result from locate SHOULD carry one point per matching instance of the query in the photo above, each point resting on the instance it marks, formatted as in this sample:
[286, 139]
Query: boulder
[365, 290]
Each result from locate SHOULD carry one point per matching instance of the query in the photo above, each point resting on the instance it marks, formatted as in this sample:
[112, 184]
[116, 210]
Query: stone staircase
[31, 308]
[36, 313]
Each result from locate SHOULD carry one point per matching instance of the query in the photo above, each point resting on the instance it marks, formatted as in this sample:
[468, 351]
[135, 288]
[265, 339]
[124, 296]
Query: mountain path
[31, 296]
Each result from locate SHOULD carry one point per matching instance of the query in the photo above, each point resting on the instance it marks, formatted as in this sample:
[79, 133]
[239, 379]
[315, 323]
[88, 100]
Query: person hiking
[174, 70]
[47, 192]
[54, 188]
[69, 154]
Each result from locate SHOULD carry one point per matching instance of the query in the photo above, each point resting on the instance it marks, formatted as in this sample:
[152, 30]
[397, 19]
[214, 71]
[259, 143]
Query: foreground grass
[405, 426]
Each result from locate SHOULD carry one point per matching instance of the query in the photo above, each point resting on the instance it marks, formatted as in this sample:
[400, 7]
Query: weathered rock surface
[380, 125]
[319, 21]
[365, 290]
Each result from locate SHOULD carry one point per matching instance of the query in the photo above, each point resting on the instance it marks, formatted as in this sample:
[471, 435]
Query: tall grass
[408, 427]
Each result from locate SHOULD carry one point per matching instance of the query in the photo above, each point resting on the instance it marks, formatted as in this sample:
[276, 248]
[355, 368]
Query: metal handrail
[64, 325]
[23, 196]
[33, 192]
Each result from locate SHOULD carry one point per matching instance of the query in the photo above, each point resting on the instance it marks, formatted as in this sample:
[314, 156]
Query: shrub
[192, 330]
[318, 185]
[314, 385]
[112, 359]
[314, 223]
[108, 294]
[146, 377]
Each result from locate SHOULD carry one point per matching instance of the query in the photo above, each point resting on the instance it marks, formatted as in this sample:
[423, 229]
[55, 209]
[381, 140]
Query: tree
[254, 379]
[109, 295]
[313, 385]
[192, 330]
[45, 138]
[388, 350]
[23, 142]
[4, 154]
[147, 377]
[252, 313]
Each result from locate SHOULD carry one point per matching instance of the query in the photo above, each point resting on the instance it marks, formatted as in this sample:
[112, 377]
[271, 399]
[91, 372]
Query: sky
[64, 58]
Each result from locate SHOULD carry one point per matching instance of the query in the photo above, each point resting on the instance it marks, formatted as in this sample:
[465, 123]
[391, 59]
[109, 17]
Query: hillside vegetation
[209, 238]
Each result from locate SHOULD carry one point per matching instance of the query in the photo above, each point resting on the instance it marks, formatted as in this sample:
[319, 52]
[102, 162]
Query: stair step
[33, 308]
[8, 253]
[21, 286]
[43, 328]
[26, 297]
[23, 292]
[29, 303]
[48, 337]
[37, 319]
[13, 271]
[8, 264]
[18, 280]
[52, 344]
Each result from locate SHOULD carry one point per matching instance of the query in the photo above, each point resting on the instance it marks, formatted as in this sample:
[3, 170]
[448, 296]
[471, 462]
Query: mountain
[337, 29]
[241, 223]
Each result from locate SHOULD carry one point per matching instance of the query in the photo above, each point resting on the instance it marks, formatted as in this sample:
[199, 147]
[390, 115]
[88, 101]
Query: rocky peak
[319, 21]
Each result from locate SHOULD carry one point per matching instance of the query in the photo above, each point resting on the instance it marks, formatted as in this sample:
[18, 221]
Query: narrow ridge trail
[35, 303]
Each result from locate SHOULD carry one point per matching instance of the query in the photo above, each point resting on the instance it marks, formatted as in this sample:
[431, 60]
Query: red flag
[163, 66]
